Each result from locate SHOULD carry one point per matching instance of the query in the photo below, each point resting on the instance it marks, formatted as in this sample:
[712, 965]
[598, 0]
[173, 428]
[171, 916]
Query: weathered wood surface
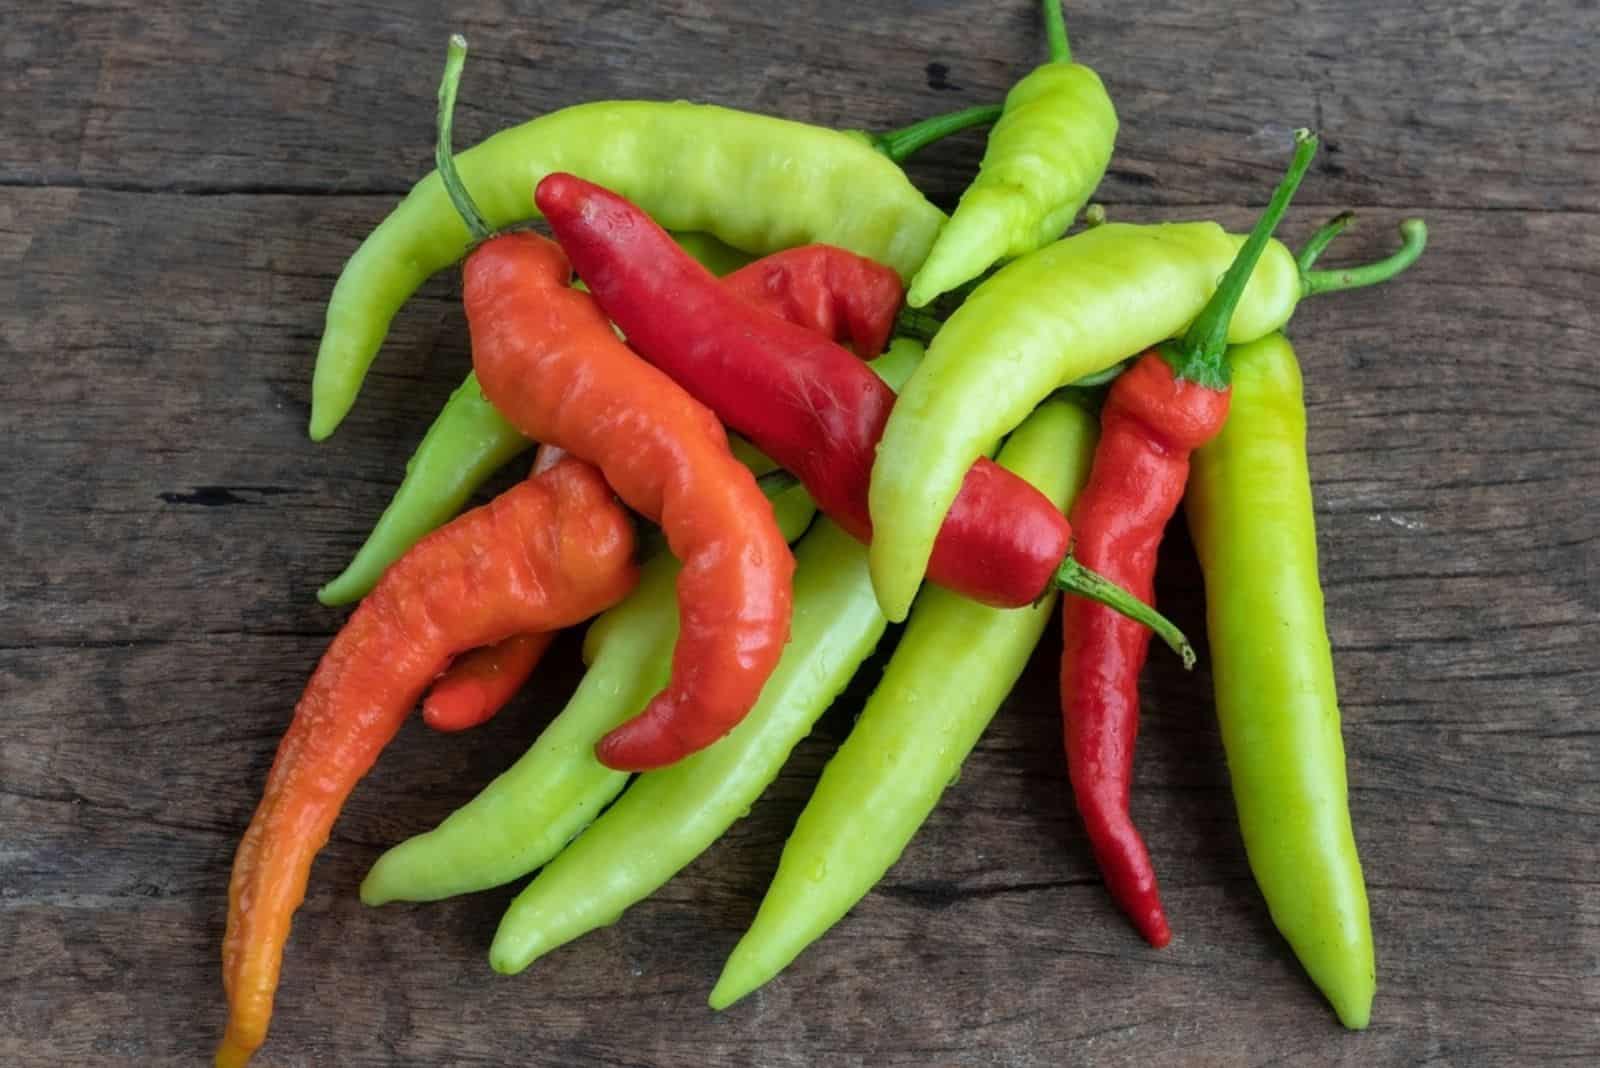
[179, 187]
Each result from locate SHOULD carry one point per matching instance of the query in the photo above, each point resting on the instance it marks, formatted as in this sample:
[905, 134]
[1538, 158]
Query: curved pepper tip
[661, 735]
[1349, 988]
[638, 746]
[508, 960]
[721, 999]
[323, 422]
[1156, 931]
[340, 591]
[557, 190]
[1355, 1015]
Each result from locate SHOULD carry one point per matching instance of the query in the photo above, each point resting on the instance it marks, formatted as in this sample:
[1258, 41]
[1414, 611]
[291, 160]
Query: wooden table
[181, 184]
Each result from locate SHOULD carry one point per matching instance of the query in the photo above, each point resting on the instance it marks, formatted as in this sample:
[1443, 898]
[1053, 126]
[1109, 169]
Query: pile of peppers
[781, 402]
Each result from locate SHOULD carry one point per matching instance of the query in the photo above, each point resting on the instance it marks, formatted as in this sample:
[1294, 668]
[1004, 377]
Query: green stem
[1322, 238]
[917, 323]
[1094, 215]
[1200, 356]
[1055, 31]
[455, 58]
[900, 144]
[1414, 238]
[1075, 578]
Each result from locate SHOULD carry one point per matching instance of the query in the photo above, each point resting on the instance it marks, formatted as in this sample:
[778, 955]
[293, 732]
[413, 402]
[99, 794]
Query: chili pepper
[481, 682]
[822, 288]
[522, 819]
[825, 290]
[1043, 161]
[1250, 514]
[757, 183]
[1171, 401]
[819, 287]
[669, 817]
[548, 360]
[807, 403]
[1046, 319]
[467, 443]
[546, 553]
[954, 665]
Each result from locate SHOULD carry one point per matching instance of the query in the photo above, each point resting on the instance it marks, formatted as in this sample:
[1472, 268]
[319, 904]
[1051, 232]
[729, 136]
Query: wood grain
[179, 190]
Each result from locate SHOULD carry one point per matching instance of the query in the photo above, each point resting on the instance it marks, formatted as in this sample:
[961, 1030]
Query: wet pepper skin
[481, 683]
[547, 553]
[1250, 513]
[822, 288]
[547, 358]
[1150, 425]
[523, 819]
[757, 183]
[802, 399]
[1170, 402]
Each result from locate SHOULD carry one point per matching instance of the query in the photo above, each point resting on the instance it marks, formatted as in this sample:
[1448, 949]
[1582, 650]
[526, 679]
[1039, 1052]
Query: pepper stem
[1200, 356]
[1055, 31]
[917, 323]
[905, 142]
[1321, 239]
[1073, 577]
[455, 58]
[1413, 237]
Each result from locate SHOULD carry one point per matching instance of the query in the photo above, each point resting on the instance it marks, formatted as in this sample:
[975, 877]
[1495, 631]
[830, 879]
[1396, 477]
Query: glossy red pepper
[548, 359]
[827, 290]
[1170, 402]
[807, 403]
[823, 288]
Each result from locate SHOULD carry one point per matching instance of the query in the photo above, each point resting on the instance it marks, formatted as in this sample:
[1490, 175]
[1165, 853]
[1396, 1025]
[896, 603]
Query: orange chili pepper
[483, 681]
[547, 553]
[825, 289]
[547, 358]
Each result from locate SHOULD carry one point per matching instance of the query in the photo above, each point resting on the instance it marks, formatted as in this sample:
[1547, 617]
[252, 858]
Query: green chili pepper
[468, 441]
[955, 664]
[1068, 310]
[1043, 161]
[1250, 515]
[525, 816]
[670, 816]
[758, 183]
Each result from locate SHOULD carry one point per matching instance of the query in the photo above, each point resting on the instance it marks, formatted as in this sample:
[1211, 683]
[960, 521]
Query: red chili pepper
[549, 552]
[807, 403]
[1169, 403]
[825, 289]
[548, 359]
